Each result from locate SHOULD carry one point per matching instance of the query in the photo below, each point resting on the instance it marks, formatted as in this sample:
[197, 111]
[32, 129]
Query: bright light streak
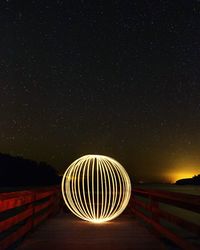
[96, 188]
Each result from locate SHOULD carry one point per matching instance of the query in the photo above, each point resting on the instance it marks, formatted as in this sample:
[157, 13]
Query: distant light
[96, 188]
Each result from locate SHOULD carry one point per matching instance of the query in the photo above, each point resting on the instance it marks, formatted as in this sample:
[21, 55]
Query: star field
[120, 78]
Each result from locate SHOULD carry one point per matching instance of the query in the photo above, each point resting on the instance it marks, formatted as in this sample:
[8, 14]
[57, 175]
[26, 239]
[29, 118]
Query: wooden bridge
[36, 219]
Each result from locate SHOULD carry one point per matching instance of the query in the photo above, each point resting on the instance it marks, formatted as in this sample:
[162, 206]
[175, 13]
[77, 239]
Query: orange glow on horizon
[182, 168]
[177, 175]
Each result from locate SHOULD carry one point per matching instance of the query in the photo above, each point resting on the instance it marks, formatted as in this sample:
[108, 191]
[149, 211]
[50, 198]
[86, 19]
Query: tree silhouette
[17, 171]
[195, 180]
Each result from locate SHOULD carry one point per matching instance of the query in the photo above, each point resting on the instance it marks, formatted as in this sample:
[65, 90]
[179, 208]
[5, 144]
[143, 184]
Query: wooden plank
[140, 203]
[168, 234]
[6, 224]
[168, 193]
[8, 195]
[16, 199]
[42, 217]
[43, 205]
[185, 201]
[12, 238]
[192, 227]
[44, 194]
[19, 198]
[12, 201]
[169, 217]
[65, 231]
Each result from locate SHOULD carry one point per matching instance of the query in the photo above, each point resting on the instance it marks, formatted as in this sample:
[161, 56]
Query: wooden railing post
[33, 214]
[131, 204]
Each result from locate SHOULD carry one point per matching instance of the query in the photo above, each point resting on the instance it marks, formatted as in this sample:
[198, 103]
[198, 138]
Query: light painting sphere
[96, 188]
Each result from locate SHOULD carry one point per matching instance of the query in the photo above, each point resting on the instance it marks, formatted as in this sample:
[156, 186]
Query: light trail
[96, 188]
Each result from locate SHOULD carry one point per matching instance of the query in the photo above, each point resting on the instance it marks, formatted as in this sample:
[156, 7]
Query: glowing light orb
[96, 188]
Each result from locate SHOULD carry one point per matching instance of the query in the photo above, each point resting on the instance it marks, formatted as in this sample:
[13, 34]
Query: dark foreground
[68, 232]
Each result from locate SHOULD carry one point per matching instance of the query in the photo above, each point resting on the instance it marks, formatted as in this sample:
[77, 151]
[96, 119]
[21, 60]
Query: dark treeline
[195, 180]
[17, 171]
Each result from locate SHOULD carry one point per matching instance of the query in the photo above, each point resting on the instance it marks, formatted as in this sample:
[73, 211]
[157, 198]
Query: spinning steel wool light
[96, 188]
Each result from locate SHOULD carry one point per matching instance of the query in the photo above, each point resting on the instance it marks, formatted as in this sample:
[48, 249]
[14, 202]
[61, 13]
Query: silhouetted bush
[195, 180]
[17, 171]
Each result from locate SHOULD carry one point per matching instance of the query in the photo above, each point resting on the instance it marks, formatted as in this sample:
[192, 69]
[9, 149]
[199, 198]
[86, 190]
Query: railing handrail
[25, 210]
[187, 201]
[180, 200]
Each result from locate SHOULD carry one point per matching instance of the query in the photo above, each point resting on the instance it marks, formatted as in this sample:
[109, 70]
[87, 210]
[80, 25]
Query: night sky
[119, 78]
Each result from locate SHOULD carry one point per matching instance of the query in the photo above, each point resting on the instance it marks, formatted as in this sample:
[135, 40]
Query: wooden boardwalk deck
[68, 232]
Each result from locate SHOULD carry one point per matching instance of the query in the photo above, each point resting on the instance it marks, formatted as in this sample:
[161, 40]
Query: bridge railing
[153, 206]
[22, 211]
